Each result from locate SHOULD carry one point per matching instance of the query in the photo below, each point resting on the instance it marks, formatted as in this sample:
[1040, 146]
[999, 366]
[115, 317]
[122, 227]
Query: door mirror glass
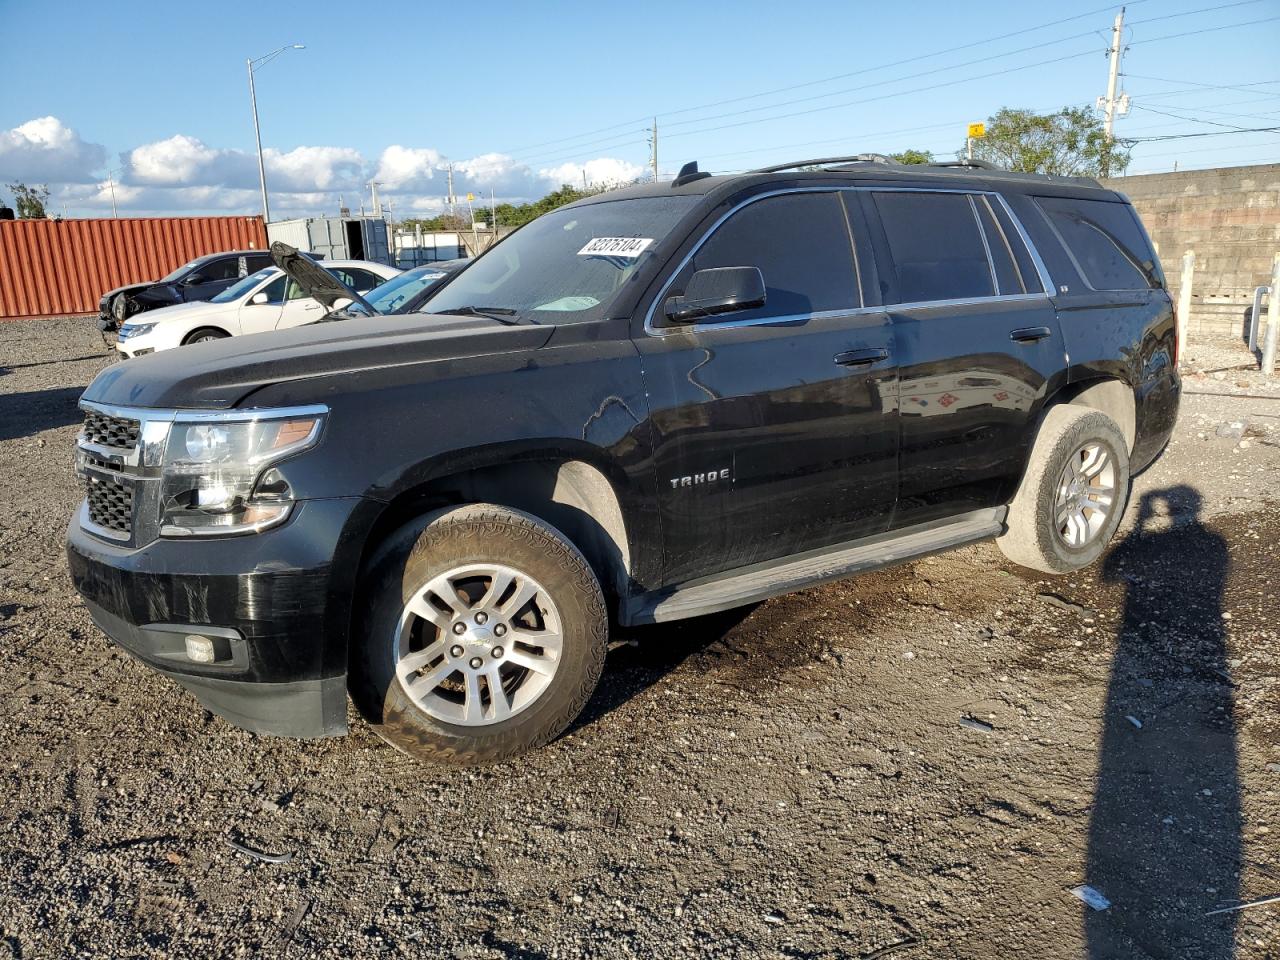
[260, 297]
[717, 291]
[193, 279]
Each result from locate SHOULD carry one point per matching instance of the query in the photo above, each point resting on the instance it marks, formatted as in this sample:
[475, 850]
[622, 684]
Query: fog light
[200, 649]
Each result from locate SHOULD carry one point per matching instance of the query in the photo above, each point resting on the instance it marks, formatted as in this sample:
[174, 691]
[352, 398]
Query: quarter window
[1105, 241]
[800, 242]
[935, 245]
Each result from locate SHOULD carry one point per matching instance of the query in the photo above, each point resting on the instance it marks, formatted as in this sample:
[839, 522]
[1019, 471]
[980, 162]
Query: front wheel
[204, 335]
[484, 633]
[1073, 494]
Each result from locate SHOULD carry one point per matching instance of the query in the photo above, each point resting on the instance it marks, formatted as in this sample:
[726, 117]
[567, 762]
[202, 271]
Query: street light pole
[251, 65]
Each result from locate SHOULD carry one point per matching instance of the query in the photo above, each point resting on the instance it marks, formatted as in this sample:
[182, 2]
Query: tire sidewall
[1092, 427]
[452, 539]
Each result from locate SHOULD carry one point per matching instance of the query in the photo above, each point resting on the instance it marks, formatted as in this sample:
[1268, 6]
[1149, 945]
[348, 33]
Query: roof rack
[827, 161]
[976, 164]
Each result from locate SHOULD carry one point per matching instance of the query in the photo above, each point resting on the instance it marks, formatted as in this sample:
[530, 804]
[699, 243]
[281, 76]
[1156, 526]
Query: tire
[204, 335]
[426, 689]
[1069, 436]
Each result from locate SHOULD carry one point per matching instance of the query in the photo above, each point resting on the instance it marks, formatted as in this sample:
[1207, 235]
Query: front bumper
[277, 605]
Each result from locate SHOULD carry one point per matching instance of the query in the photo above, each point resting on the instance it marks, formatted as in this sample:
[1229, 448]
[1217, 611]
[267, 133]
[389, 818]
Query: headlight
[136, 329]
[120, 309]
[219, 475]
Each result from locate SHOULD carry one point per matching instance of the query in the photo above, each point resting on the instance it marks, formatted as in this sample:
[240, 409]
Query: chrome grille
[109, 431]
[110, 503]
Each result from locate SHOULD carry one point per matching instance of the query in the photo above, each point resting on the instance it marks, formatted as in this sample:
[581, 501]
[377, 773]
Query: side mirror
[716, 291]
[259, 298]
[192, 280]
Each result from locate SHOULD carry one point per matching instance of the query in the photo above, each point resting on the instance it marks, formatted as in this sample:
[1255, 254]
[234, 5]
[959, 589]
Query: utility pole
[111, 185]
[253, 64]
[377, 204]
[452, 203]
[1113, 105]
[653, 156]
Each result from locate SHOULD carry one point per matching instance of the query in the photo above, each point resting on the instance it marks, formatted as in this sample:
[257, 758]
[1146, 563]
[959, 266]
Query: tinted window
[357, 280]
[799, 241]
[257, 261]
[227, 268]
[1008, 275]
[1105, 241]
[1026, 266]
[935, 246]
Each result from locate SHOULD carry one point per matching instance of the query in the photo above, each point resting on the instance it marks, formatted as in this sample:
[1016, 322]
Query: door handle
[861, 358]
[1030, 334]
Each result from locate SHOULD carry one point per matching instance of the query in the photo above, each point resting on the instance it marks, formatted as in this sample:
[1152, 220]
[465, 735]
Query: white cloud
[45, 150]
[185, 161]
[183, 174]
[601, 172]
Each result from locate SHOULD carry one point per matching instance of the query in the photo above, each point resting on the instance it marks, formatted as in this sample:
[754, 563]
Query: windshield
[568, 265]
[386, 297]
[241, 287]
[186, 267]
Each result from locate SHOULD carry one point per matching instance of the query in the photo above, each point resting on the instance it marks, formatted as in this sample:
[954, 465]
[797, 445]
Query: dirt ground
[923, 762]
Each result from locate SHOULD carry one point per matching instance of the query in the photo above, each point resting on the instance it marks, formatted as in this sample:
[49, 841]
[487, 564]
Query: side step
[734, 588]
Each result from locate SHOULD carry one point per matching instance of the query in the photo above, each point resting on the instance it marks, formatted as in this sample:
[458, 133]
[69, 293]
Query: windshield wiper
[492, 313]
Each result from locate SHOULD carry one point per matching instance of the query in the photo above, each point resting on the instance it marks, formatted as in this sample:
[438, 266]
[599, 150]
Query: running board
[760, 581]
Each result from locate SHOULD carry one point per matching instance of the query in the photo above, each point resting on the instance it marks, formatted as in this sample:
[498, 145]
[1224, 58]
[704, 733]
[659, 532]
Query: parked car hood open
[221, 374]
[315, 281]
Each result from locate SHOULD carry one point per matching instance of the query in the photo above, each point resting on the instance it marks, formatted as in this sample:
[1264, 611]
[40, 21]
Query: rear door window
[1104, 241]
[936, 247]
[800, 242]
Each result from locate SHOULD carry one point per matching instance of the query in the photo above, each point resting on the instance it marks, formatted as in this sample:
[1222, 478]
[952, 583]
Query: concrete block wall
[1230, 217]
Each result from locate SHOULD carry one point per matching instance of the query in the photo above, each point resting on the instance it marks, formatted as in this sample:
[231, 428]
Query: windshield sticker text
[616, 247]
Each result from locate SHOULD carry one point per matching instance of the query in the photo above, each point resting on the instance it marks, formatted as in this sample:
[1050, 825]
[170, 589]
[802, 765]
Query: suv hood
[223, 373]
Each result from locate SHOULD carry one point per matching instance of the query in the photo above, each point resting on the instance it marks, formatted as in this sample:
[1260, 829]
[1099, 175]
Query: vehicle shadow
[644, 655]
[26, 414]
[1165, 828]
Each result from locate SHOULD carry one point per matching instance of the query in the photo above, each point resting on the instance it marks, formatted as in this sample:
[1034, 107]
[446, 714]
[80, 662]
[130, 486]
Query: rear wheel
[204, 335]
[484, 635]
[1073, 494]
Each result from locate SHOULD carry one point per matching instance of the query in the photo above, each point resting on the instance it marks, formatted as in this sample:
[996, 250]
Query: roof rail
[975, 164]
[827, 161]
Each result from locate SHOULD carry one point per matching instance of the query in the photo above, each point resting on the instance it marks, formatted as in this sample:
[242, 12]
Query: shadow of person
[1165, 828]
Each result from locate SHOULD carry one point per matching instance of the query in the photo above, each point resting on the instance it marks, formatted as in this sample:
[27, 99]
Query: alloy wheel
[478, 644]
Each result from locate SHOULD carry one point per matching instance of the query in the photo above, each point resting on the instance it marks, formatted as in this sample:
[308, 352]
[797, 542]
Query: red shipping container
[62, 267]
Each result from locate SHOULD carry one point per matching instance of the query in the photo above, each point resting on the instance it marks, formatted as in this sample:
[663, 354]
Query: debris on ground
[1091, 897]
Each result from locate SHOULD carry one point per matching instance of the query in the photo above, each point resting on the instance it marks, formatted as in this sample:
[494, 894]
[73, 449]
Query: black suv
[661, 402]
[201, 279]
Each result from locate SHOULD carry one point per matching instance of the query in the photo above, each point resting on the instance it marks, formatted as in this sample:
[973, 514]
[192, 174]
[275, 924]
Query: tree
[509, 215]
[30, 201]
[1068, 143]
[912, 156]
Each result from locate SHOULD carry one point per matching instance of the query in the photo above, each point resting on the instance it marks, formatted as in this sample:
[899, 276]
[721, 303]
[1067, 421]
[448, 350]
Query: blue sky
[522, 96]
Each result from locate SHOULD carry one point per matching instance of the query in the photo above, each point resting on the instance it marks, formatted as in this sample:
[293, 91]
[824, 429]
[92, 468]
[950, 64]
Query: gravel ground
[922, 762]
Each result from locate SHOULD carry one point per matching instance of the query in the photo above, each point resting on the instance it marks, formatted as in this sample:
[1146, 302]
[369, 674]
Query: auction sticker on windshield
[615, 247]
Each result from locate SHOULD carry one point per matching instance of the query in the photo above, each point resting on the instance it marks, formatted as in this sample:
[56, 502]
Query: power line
[1196, 33]
[1243, 88]
[887, 96]
[928, 88]
[1188, 13]
[1211, 123]
[1207, 133]
[831, 79]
